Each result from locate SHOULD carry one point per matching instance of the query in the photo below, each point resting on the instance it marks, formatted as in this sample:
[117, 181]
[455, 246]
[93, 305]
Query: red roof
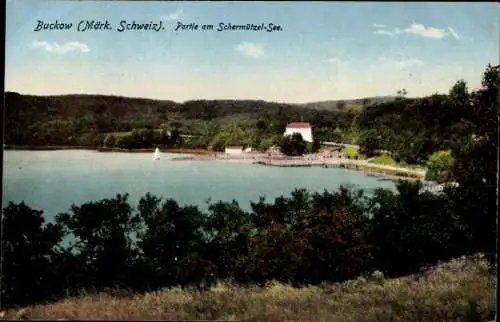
[299, 125]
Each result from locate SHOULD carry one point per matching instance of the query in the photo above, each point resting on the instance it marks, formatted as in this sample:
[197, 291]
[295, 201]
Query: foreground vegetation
[460, 290]
[304, 239]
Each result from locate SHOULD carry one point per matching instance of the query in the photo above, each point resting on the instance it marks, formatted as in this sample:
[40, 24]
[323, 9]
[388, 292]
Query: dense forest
[305, 238]
[88, 120]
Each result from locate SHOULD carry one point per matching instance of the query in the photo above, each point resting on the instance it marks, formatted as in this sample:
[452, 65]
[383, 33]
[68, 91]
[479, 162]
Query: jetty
[375, 170]
[300, 162]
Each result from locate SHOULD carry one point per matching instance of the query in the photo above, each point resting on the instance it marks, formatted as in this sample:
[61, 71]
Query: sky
[324, 50]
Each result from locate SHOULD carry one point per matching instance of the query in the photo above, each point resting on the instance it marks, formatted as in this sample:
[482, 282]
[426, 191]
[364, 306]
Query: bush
[384, 159]
[293, 145]
[440, 167]
[219, 146]
[315, 146]
[352, 153]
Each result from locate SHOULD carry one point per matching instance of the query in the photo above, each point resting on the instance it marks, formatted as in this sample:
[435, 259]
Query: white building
[303, 128]
[234, 150]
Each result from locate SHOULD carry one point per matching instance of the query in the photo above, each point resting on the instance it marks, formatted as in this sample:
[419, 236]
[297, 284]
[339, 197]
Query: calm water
[54, 180]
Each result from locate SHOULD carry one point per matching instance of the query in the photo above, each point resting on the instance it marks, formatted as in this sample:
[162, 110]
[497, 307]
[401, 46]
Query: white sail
[156, 155]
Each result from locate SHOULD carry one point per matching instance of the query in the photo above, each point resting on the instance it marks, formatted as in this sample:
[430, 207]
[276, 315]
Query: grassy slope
[455, 291]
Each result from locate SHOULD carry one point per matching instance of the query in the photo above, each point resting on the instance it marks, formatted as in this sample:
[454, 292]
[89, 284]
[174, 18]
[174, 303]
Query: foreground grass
[461, 290]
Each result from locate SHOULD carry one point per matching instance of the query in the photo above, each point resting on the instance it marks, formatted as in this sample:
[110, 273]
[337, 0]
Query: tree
[337, 232]
[440, 167]
[163, 138]
[476, 166]
[265, 144]
[262, 125]
[219, 146]
[315, 146]
[103, 242]
[459, 93]
[29, 248]
[175, 138]
[369, 142]
[293, 145]
[401, 93]
[411, 229]
[171, 241]
[229, 229]
[109, 141]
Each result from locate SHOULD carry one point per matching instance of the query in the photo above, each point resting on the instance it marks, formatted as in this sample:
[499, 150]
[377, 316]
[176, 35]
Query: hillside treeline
[85, 120]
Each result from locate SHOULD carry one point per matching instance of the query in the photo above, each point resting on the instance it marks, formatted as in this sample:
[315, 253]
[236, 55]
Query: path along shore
[372, 169]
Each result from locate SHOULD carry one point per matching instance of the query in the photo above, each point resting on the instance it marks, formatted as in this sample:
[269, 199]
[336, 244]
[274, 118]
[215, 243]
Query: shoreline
[102, 149]
[370, 169]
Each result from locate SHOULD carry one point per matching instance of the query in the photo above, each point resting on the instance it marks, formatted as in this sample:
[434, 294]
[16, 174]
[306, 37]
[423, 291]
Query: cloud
[414, 29]
[378, 25]
[68, 47]
[454, 33]
[385, 33]
[408, 63]
[176, 15]
[427, 32]
[250, 49]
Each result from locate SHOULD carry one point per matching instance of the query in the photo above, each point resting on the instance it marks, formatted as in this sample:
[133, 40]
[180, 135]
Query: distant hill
[50, 117]
[348, 104]
[64, 115]
[40, 108]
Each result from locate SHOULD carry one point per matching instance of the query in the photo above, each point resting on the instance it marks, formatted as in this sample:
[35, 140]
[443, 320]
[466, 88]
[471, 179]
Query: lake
[54, 180]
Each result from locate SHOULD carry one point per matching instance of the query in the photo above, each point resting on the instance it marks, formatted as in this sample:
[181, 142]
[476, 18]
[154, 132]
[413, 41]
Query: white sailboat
[156, 155]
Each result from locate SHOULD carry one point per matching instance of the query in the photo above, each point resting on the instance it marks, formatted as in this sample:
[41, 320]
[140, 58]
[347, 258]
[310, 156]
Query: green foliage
[305, 238]
[414, 227]
[170, 239]
[384, 159]
[102, 231]
[29, 250]
[369, 142]
[412, 129]
[459, 93]
[315, 146]
[265, 144]
[440, 167]
[219, 146]
[475, 163]
[352, 153]
[109, 140]
[293, 145]
[64, 120]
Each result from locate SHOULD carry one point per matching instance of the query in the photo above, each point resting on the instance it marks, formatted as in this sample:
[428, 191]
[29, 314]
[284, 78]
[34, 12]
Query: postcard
[250, 160]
